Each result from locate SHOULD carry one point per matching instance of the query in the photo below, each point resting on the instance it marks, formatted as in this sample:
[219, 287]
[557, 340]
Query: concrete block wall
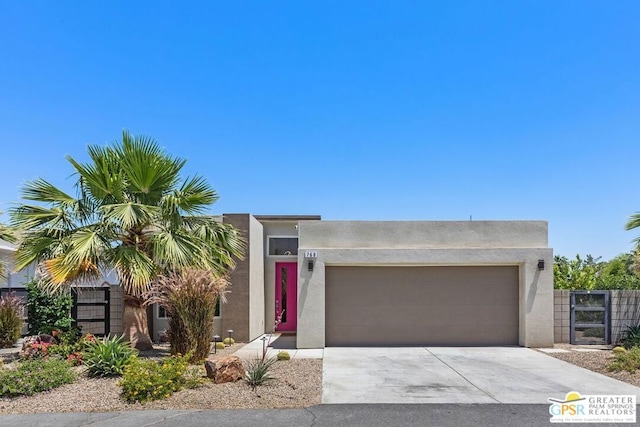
[561, 314]
[625, 311]
[117, 309]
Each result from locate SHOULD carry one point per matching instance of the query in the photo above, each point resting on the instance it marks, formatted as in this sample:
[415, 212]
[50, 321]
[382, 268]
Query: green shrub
[146, 379]
[190, 299]
[258, 371]
[10, 320]
[108, 356]
[631, 337]
[284, 355]
[229, 341]
[48, 312]
[628, 361]
[220, 346]
[34, 376]
[619, 349]
[70, 337]
[70, 348]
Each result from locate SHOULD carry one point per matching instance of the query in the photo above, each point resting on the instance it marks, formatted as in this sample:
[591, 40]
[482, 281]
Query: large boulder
[224, 369]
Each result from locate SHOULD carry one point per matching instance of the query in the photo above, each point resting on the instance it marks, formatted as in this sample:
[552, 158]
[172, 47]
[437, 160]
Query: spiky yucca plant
[190, 298]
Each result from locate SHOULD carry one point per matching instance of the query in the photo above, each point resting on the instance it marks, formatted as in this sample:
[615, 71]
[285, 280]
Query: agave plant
[108, 356]
[631, 337]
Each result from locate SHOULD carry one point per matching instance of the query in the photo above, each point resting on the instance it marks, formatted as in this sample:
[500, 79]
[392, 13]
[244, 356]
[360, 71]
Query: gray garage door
[378, 306]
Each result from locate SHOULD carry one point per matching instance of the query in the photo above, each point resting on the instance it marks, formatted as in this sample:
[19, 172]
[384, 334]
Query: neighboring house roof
[6, 246]
[287, 217]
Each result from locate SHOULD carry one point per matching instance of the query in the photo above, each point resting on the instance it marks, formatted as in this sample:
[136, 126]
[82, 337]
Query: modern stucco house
[348, 283]
[395, 283]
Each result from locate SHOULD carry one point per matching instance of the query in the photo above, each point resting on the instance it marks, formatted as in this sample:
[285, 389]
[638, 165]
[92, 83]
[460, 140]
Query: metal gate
[590, 319]
[91, 310]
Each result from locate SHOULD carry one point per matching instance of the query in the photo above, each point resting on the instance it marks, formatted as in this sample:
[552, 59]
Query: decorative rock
[224, 369]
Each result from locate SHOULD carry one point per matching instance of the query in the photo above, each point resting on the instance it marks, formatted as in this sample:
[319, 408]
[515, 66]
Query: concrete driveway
[456, 375]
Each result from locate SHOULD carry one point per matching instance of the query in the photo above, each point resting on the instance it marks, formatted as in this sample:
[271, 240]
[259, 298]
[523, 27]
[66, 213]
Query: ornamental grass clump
[10, 320]
[190, 299]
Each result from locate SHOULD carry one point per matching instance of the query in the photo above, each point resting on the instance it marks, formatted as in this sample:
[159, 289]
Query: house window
[162, 312]
[283, 246]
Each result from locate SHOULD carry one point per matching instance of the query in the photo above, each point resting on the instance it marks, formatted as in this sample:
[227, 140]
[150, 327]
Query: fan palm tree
[632, 224]
[132, 213]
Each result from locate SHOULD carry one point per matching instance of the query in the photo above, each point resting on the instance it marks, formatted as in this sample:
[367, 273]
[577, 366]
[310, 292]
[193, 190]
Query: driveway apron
[456, 375]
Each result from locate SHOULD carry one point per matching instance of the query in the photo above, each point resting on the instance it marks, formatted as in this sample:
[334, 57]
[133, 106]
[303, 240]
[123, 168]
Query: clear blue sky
[351, 110]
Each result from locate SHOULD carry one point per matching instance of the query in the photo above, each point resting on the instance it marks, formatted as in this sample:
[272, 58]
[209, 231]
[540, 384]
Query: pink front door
[286, 295]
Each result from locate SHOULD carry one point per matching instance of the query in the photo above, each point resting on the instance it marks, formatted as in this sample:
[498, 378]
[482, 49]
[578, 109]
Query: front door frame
[287, 274]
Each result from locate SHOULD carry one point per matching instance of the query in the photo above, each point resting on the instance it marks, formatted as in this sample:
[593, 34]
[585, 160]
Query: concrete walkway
[277, 342]
[456, 375]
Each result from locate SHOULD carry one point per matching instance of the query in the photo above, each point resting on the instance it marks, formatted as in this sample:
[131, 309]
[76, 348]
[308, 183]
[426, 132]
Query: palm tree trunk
[135, 323]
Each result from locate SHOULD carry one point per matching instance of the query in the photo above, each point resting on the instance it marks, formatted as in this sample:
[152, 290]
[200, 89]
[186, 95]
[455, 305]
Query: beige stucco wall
[424, 234]
[425, 244]
[255, 249]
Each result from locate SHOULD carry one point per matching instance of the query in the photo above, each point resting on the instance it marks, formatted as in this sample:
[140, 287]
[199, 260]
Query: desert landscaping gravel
[298, 383]
[595, 360]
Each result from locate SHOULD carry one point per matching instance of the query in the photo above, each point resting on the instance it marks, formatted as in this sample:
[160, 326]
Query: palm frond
[45, 192]
[176, 250]
[633, 222]
[130, 215]
[61, 271]
[135, 268]
[34, 248]
[101, 180]
[7, 233]
[27, 217]
[148, 169]
[195, 196]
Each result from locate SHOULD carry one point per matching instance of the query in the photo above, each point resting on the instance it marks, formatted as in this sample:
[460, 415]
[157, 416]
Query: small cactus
[220, 346]
[284, 355]
[229, 341]
[619, 350]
